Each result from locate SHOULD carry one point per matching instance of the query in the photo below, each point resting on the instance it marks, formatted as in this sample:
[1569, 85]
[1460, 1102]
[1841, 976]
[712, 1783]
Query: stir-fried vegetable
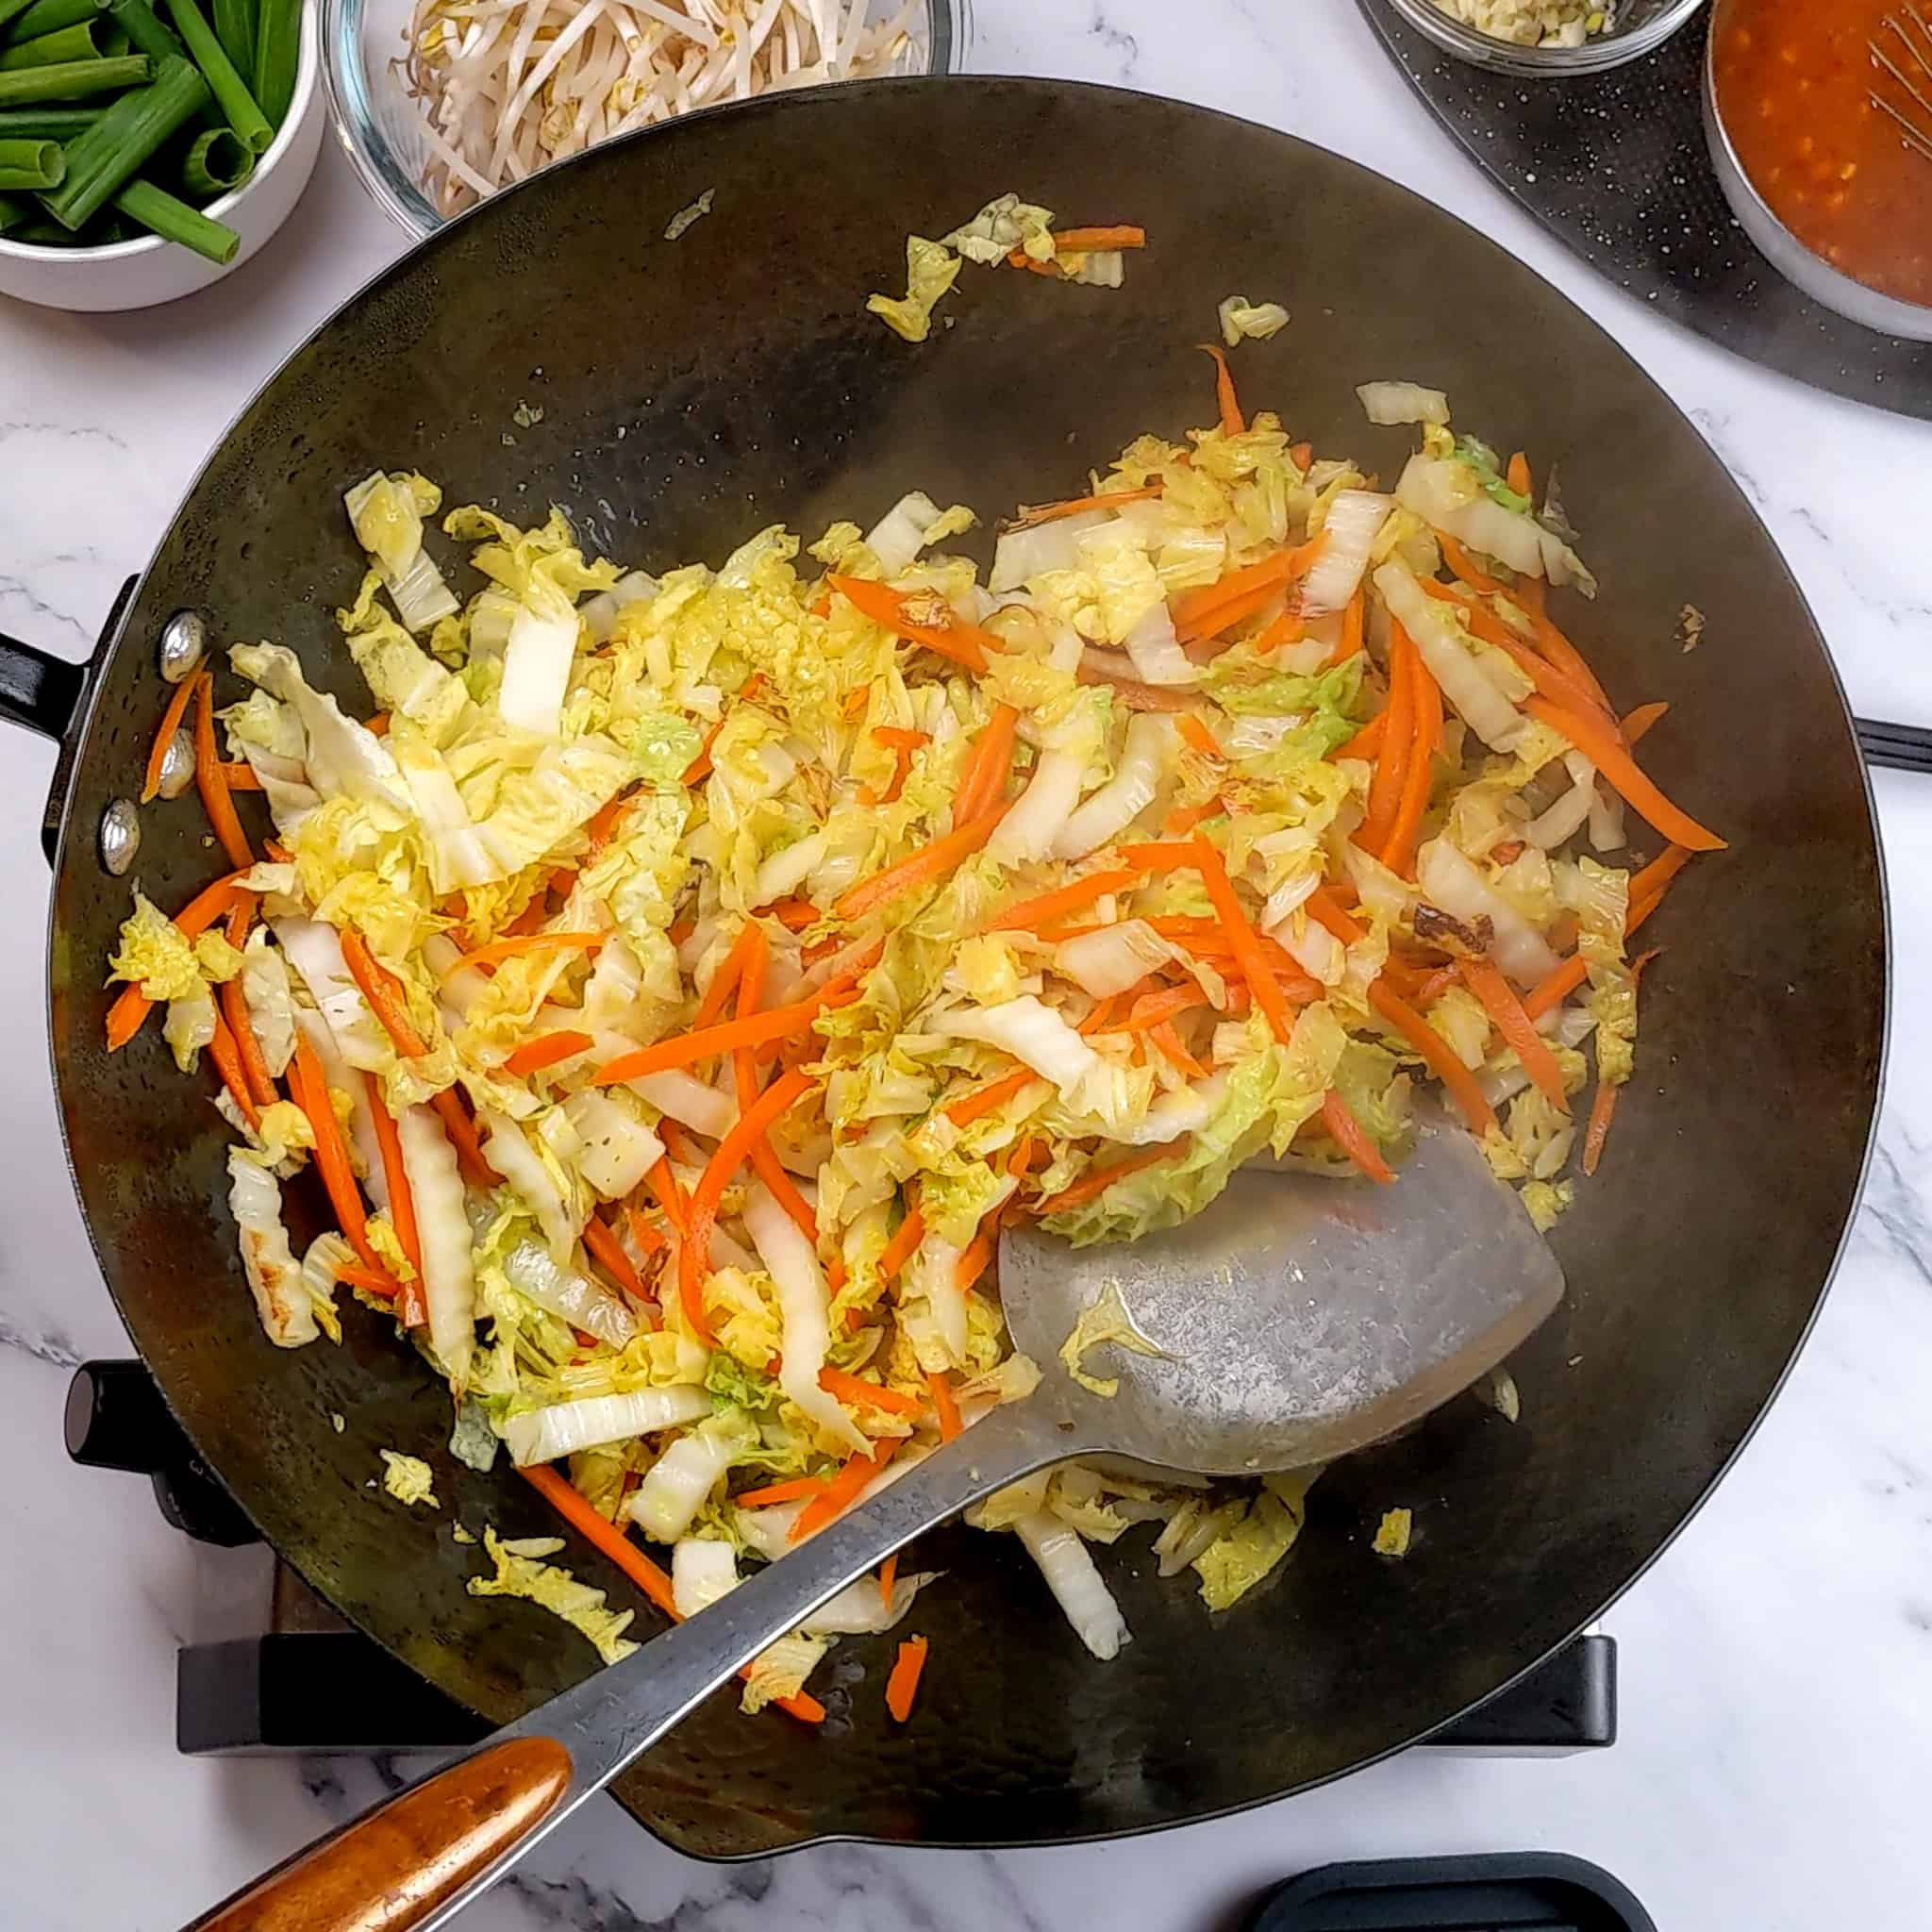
[682, 978]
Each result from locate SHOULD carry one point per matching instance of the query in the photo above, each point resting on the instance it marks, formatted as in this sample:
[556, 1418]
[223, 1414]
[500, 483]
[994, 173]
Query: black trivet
[1614, 166]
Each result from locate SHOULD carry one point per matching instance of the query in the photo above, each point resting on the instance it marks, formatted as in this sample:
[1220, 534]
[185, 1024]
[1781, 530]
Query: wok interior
[693, 391]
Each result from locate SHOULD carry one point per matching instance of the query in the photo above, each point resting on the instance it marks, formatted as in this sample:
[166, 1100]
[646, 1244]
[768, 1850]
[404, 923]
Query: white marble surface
[1776, 1742]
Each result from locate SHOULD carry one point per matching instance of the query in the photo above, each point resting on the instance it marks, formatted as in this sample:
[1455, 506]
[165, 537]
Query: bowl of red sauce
[1823, 151]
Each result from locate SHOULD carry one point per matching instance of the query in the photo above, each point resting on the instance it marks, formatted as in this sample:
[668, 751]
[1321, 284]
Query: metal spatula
[1297, 1318]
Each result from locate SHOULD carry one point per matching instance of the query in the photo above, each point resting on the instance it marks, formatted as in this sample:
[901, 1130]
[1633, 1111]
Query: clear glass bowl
[381, 127]
[1640, 27]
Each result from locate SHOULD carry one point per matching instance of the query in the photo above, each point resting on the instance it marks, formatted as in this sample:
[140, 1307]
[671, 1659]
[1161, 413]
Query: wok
[692, 391]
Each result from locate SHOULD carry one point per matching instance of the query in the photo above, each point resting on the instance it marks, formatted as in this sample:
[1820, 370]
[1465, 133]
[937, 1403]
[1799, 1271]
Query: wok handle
[1898, 747]
[388, 1870]
[40, 692]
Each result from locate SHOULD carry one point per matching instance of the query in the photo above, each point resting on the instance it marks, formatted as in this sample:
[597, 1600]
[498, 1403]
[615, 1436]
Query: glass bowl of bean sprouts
[440, 103]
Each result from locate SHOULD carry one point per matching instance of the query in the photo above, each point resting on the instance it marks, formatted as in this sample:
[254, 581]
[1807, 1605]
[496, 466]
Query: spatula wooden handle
[391, 1869]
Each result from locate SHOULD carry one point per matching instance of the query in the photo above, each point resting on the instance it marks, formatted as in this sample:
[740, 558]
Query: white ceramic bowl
[139, 274]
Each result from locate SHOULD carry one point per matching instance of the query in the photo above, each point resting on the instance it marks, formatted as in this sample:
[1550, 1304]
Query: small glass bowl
[1640, 27]
[381, 127]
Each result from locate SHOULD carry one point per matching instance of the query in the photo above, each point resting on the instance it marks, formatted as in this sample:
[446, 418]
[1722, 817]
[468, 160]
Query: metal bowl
[381, 127]
[1640, 27]
[1796, 260]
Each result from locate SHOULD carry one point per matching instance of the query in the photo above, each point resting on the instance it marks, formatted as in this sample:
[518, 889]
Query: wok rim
[75, 846]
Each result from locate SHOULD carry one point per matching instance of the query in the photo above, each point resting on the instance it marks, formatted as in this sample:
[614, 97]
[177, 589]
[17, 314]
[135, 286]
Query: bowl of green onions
[148, 147]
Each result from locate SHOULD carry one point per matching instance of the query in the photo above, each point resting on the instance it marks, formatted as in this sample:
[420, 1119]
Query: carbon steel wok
[693, 389]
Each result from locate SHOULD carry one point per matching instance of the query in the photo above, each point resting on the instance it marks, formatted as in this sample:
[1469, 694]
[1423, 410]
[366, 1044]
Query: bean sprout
[508, 86]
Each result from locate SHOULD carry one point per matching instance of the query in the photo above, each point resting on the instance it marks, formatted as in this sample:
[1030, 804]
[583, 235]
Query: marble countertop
[1777, 1706]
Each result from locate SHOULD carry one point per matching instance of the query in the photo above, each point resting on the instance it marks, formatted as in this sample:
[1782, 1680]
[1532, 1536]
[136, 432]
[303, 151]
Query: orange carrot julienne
[1658, 874]
[888, 1576]
[1637, 723]
[1289, 628]
[986, 770]
[309, 1086]
[787, 1491]
[1602, 1106]
[764, 1156]
[1348, 1134]
[700, 767]
[1598, 742]
[1367, 742]
[1184, 818]
[902, 1684]
[1198, 613]
[906, 1237]
[374, 1279]
[1517, 1027]
[662, 1182]
[1556, 987]
[945, 1407]
[978, 1256]
[604, 1246]
[402, 1203]
[1517, 477]
[923, 616]
[209, 781]
[261, 1086]
[856, 1388]
[1253, 961]
[1531, 596]
[546, 1050]
[1232, 422]
[1350, 640]
[723, 980]
[228, 1059]
[1085, 240]
[1029, 914]
[238, 775]
[841, 1492]
[131, 1006]
[647, 1236]
[647, 1576]
[1427, 696]
[794, 915]
[171, 723]
[1194, 729]
[1097, 1181]
[1102, 1016]
[499, 950]
[694, 1253]
[1391, 762]
[1464, 566]
[1556, 685]
[927, 866]
[1169, 1042]
[1031, 513]
[1437, 1054]
[1153, 1009]
[971, 1106]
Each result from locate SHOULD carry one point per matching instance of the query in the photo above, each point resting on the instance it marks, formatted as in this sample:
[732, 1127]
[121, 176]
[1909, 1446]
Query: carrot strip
[1184, 818]
[1085, 240]
[1101, 1019]
[700, 767]
[209, 782]
[986, 770]
[947, 1410]
[924, 617]
[1289, 628]
[1157, 1009]
[888, 1576]
[971, 1106]
[1193, 729]
[1175, 1049]
[1199, 613]
[1029, 914]
[1517, 1027]
[1232, 422]
[843, 1490]
[1657, 876]
[1392, 765]
[1517, 475]
[927, 866]
[1437, 1054]
[906, 1237]
[1247, 948]
[1556, 987]
[1350, 641]
[1097, 1181]
[1639, 720]
[171, 723]
[1348, 1134]
[239, 775]
[635, 1564]
[663, 1181]
[1367, 742]
[764, 1156]
[373, 1279]
[401, 1204]
[1598, 742]
[725, 979]
[694, 1253]
[228, 1059]
[902, 1686]
[605, 1247]
[261, 1086]
[309, 1086]
[1426, 699]
[794, 915]
[978, 1256]
[1463, 565]
[1031, 513]
[520, 943]
[1556, 685]
[1556, 647]
[131, 1006]
[546, 1050]
[788, 1491]
[856, 1388]
[778, 1023]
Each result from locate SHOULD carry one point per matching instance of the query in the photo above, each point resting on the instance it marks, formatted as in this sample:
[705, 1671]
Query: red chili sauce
[1795, 80]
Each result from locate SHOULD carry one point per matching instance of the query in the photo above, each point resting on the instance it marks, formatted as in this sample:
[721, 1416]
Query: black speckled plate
[1614, 166]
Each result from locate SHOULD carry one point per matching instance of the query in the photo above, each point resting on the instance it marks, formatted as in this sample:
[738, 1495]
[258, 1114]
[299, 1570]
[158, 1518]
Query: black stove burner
[282, 1673]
